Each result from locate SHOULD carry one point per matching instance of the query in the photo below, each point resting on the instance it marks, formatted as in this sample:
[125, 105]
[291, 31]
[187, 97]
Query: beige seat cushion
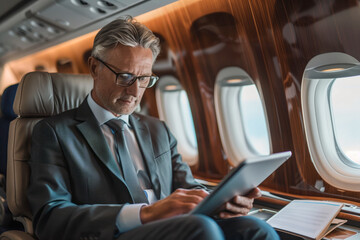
[39, 95]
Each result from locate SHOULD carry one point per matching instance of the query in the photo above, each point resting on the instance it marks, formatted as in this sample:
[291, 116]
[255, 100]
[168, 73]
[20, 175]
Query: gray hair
[128, 32]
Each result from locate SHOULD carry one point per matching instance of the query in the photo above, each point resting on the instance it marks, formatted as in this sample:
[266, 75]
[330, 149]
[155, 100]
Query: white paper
[306, 217]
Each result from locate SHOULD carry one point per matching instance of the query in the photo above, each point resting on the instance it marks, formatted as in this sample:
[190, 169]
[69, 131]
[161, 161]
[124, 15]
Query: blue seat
[7, 116]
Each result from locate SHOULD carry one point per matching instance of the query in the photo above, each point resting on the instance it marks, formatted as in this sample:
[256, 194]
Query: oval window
[174, 108]
[331, 110]
[241, 117]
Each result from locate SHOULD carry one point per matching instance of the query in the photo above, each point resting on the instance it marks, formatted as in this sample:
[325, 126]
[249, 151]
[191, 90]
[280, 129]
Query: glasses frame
[152, 81]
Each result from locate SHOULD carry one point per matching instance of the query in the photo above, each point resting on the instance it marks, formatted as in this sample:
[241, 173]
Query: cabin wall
[271, 40]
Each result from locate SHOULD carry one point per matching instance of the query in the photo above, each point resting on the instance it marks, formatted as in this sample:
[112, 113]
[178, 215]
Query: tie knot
[116, 124]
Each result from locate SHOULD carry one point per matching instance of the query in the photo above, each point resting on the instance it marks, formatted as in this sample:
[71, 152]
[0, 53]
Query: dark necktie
[123, 155]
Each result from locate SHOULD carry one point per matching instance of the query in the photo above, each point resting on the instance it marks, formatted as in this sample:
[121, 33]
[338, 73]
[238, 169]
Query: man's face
[118, 99]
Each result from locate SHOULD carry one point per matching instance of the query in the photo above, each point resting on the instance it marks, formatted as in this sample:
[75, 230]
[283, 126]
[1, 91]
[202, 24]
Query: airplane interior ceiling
[6, 7]
[29, 26]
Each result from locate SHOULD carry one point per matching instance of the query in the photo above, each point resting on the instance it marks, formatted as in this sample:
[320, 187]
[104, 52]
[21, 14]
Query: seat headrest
[42, 94]
[7, 101]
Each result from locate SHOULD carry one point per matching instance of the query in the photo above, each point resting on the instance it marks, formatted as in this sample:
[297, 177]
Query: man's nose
[133, 89]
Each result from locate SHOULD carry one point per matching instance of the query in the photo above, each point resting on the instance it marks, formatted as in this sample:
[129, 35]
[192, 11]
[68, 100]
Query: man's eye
[126, 77]
[143, 78]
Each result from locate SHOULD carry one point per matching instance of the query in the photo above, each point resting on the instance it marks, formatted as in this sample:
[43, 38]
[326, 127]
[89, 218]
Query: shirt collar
[102, 115]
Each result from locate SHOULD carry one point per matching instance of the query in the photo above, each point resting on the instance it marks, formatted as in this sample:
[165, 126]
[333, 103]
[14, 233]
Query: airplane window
[252, 114]
[331, 110]
[40, 68]
[174, 108]
[241, 116]
[345, 108]
[64, 65]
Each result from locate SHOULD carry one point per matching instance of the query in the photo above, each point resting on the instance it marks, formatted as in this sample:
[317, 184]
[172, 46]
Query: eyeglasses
[127, 79]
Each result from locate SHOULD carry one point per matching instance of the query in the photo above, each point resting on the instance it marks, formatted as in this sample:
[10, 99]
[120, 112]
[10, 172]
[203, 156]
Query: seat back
[39, 95]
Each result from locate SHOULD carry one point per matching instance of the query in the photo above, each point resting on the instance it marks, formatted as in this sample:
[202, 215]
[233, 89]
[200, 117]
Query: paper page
[305, 217]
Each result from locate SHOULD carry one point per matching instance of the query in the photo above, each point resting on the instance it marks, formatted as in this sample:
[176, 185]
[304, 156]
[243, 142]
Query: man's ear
[93, 66]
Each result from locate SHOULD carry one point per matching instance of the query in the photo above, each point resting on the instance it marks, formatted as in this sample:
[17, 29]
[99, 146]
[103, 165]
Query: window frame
[318, 121]
[233, 136]
[180, 129]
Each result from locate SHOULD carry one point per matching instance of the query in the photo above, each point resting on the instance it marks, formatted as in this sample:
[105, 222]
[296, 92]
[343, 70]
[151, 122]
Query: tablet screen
[241, 180]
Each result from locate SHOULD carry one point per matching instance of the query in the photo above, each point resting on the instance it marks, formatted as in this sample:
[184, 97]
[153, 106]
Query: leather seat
[39, 95]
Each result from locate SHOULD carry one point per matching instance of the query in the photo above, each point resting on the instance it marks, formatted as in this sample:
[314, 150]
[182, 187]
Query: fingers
[179, 202]
[185, 200]
[241, 201]
[196, 192]
[194, 196]
[255, 193]
[239, 205]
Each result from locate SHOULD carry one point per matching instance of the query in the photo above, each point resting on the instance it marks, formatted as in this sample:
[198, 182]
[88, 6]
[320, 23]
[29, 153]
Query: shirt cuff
[129, 217]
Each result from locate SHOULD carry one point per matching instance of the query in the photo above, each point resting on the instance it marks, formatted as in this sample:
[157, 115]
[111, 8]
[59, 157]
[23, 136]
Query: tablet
[241, 180]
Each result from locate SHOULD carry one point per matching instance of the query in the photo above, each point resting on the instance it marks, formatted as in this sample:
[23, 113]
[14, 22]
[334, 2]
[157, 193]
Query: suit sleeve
[55, 216]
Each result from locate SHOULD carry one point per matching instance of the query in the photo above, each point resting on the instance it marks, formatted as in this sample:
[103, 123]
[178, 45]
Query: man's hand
[239, 205]
[179, 202]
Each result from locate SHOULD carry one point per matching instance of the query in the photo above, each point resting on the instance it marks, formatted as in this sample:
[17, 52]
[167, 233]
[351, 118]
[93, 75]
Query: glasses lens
[144, 81]
[152, 81]
[125, 79]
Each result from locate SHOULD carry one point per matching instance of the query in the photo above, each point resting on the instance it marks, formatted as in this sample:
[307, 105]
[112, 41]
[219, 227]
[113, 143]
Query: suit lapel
[92, 133]
[143, 138]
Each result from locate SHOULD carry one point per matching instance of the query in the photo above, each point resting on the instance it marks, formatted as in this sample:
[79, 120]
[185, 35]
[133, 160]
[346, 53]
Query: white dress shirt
[129, 216]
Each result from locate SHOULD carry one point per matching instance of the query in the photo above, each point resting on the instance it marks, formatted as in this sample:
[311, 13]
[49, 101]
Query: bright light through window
[174, 108]
[240, 114]
[254, 120]
[331, 113]
[345, 106]
[187, 118]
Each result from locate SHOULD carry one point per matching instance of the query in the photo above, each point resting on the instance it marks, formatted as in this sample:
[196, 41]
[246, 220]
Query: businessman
[103, 172]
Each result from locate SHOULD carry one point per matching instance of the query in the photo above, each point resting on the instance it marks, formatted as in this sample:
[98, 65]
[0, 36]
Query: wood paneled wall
[272, 41]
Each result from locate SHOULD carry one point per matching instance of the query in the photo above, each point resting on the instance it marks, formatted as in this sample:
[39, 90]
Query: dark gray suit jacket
[76, 189]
